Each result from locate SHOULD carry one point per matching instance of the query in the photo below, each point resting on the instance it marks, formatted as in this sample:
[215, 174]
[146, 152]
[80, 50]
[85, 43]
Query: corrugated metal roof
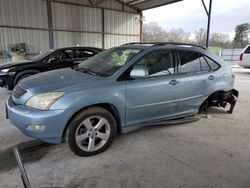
[141, 5]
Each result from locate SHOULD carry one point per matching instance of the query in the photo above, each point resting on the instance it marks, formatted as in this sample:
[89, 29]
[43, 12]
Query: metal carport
[44, 24]
[141, 5]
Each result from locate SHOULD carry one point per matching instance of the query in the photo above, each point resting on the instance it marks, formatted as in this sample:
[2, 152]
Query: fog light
[36, 128]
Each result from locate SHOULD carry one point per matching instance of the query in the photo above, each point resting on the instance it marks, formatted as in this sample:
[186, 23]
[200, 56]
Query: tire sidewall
[75, 123]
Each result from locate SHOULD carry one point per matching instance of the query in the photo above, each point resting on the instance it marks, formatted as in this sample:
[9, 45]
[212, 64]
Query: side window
[57, 56]
[247, 51]
[158, 63]
[82, 53]
[190, 62]
[67, 54]
[214, 66]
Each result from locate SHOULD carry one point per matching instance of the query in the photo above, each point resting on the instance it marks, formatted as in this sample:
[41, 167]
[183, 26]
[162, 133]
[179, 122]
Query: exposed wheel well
[220, 99]
[109, 107]
[214, 96]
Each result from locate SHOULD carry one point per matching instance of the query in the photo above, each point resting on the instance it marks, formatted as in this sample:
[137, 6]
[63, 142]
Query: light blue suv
[120, 89]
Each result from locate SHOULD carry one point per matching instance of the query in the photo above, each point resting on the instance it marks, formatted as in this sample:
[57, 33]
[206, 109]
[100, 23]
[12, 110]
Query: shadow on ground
[216, 110]
[30, 151]
[35, 150]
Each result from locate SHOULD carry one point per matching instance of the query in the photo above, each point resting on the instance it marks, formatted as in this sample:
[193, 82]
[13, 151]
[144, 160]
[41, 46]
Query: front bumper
[6, 79]
[54, 120]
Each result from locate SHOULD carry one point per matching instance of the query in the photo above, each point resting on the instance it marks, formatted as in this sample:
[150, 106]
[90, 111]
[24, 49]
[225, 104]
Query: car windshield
[42, 55]
[108, 62]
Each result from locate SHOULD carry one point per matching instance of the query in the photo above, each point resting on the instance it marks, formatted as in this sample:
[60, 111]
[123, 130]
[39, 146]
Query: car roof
[78, 47]
[165, 44]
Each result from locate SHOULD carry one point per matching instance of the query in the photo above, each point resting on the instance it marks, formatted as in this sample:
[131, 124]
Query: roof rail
[166, 43]
[180, 44]
[134, 43]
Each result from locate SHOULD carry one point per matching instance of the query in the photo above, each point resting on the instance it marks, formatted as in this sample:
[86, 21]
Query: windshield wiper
[89, 71]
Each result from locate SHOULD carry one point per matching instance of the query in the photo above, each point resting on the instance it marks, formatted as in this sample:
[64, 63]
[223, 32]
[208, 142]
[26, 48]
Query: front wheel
[91, 131]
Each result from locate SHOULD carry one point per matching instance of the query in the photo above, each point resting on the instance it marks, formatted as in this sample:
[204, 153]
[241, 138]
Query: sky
[190, 15]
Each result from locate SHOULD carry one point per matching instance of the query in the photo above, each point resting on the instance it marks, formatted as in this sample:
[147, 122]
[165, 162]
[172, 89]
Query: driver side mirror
[139, 72]
[51, 59]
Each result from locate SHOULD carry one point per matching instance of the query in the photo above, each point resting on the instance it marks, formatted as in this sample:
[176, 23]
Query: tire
[91, 131]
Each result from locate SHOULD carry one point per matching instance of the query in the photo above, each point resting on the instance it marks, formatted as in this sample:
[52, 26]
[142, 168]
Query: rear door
[156, 96]
[197, 80]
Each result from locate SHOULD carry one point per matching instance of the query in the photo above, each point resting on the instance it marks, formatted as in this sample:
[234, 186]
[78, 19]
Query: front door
[156, 96]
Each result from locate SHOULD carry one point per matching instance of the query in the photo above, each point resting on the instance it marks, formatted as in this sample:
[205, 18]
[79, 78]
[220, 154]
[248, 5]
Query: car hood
[66, 79]
[5, 65]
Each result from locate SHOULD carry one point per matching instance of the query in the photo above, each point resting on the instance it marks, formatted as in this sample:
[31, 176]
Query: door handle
[211, 77]
[174, 82]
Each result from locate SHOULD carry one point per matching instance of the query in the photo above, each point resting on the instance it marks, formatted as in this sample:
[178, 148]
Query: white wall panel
[35, 40]
[76, 18]
[24, 13]
[63, 39]
[66, 17]
[122, 23]
[116, 40]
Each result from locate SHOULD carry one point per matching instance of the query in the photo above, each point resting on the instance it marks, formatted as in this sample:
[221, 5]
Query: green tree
[200, 36]
[241, 35]
[179, 35]
[220, 40]
[152, 32]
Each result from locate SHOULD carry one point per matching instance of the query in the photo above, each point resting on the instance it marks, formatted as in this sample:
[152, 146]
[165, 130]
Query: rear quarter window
[247, 51]
[213, 65]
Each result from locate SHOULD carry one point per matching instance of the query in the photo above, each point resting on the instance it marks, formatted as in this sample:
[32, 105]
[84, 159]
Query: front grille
[18, 92]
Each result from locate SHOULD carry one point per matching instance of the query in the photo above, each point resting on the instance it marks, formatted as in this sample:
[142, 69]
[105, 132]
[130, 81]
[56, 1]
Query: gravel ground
[211, 152]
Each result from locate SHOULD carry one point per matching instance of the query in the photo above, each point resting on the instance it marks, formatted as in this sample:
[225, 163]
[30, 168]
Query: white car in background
[245, 57]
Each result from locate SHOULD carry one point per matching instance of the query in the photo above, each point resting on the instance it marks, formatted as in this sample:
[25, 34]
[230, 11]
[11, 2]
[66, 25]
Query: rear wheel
[91, 131]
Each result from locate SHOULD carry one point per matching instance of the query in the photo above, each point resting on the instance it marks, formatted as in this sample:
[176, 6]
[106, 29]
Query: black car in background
[11, 73]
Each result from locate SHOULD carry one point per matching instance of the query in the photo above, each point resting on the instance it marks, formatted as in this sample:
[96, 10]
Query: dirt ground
[211, 152]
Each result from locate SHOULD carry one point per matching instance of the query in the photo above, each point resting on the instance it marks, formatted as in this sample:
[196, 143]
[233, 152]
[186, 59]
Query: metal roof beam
[128, 5]
[90, 2]
[140, 5]
[98, 2]
[205, 7]
[148, 4]
[137, 2]
[208, 12]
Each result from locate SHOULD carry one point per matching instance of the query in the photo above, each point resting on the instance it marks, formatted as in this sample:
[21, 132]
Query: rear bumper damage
[221, 99]
[231, 98]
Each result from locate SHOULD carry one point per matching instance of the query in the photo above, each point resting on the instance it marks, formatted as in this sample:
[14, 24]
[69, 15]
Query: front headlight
[5, 70]
[44, 101]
